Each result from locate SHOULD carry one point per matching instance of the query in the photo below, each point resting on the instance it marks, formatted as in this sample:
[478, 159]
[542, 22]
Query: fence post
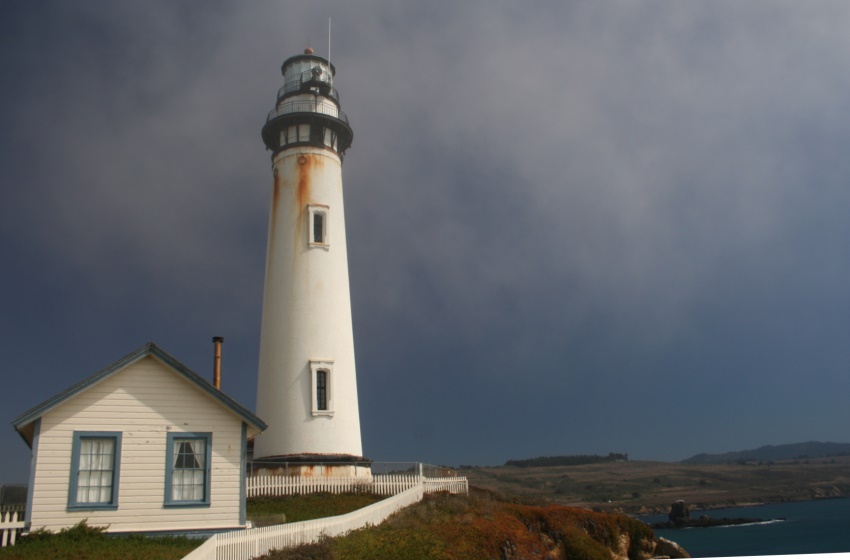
[9, 527]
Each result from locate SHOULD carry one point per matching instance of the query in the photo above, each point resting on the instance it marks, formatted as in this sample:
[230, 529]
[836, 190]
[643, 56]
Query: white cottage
[144, 445]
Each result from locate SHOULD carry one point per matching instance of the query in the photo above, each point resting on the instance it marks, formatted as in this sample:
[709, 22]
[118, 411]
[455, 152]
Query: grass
[308, 506]
[82, 542]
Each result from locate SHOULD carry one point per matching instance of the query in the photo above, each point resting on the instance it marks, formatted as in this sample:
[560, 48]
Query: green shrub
[84, 542]
[313, 551]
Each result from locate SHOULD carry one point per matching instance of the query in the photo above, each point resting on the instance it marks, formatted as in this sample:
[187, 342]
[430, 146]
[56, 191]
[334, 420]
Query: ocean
[816, 527]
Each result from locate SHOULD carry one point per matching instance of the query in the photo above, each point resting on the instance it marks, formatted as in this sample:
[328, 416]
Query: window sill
[323, 413]
[92, 507]
[186, 505]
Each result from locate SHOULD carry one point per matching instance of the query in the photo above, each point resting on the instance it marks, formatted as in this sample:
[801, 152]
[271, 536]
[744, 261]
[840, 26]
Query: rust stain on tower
[308, 172]
[275, 203]
[308, 167]
[305, 165]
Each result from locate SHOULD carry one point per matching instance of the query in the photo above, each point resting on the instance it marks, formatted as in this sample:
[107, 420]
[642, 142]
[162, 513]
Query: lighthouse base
[312, 465]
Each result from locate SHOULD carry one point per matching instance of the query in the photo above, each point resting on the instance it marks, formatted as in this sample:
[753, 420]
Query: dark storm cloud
[570, 216]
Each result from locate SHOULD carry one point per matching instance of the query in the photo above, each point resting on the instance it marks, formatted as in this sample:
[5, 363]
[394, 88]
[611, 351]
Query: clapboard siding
[145, 402]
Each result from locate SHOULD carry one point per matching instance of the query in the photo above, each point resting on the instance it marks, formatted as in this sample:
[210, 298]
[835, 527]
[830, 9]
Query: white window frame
[315, 367]
[323, 210]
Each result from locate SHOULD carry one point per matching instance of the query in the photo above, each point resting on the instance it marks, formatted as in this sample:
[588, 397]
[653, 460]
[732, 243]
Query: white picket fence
[450, 484]
[250, 543]
[10, 525]
[382, 485]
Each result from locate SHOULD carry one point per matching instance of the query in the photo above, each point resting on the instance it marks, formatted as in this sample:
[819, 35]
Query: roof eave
[150, 349]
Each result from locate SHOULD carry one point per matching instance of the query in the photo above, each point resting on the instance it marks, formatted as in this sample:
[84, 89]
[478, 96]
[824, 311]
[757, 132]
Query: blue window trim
[169, 466]
[75, 470]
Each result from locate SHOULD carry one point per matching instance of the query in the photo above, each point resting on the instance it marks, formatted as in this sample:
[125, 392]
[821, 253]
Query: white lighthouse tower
[307, 387]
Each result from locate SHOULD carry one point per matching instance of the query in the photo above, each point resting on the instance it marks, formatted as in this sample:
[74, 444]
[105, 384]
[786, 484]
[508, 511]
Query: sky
[574, 227]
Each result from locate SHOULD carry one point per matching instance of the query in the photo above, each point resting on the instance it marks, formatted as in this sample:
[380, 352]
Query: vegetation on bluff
[484, 525]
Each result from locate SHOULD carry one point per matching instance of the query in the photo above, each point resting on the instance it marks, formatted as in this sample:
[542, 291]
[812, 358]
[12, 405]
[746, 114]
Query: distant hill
[807, 450]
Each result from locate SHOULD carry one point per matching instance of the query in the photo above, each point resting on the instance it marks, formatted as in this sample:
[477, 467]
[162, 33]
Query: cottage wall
[145, 401]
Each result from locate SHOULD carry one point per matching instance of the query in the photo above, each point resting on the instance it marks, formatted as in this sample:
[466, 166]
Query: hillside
[485, 525]
[644, 486]
[807, 450]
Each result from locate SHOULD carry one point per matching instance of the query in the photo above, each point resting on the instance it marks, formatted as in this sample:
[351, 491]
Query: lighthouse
[307, 386]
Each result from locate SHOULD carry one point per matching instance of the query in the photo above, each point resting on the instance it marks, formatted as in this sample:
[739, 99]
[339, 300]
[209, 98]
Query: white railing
[293, 485]
[380, 484]
[392, 484]
[451, 484]
[10, 525]
[250, 543]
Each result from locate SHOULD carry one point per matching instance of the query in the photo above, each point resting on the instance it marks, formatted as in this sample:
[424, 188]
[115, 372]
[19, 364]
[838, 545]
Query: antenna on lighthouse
[329, 43]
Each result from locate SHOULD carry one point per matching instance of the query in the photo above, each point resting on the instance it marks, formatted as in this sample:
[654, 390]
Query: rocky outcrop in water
[680, 517]
[680, 514]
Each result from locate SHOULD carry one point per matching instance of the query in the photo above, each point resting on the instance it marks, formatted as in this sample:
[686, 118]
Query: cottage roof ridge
[149, 349]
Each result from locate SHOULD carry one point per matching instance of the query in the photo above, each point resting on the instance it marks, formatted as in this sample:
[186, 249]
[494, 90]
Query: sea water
[815, 527]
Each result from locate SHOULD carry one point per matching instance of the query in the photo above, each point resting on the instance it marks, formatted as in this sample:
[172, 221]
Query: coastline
[807, 527]
[643, 511]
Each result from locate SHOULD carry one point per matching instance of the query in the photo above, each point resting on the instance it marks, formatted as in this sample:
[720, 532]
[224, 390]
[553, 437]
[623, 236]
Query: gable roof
[23, 422]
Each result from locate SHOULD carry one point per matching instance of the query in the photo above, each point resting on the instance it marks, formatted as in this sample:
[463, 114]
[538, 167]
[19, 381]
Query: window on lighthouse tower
[319, 228]
[318, 225]
[321, 382]
[322, 389]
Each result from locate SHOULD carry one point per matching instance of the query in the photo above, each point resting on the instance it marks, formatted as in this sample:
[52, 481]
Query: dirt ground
[646, 486]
